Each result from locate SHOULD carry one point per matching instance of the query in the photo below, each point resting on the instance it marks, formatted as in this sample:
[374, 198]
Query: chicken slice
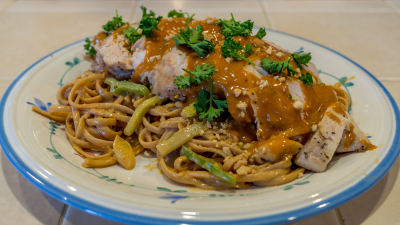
[353, 138]
[115, 56]
[319, 150]
[163, 75]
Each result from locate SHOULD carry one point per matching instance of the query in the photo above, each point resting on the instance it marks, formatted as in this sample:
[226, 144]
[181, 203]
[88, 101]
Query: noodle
[96, 124]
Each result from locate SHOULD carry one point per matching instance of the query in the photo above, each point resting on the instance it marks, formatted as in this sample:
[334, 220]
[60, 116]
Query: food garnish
[301, 58]
[132, 34]
[307, 79]
[149, 22]
[231, 28]
[195, 40]
[278, 67]
[174, 13]
[89, 48]
[200, 73]
[231, 48]
[211, 112]
[261, 33]
[113, 24]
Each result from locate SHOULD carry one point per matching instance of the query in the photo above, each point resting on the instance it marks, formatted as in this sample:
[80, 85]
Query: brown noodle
[93, 117]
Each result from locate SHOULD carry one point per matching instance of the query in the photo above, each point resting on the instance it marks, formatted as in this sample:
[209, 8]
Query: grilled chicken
[113, 55]
[163, 75]
[353, 139]
[319, 150]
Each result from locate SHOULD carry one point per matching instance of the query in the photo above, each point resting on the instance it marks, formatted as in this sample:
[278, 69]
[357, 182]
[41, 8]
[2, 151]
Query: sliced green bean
[207, 164]
[181, 137]
[139, 113]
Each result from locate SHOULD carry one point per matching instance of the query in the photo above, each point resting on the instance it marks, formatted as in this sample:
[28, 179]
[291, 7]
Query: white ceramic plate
[39, 149]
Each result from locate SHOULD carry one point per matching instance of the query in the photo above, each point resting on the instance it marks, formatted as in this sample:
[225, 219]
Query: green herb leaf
[189, 19]
[231, 28]
[278, 67]
[301, 58]
[174, 13]
[211, 112]
[182, 82]
[194, 39]
[261, 33]
[132, 34]
[200, 73]
[290, 96]
[231, 48]
[149, 22]
[89, 48]
[307, 79]
[248, 49]
[113, 24]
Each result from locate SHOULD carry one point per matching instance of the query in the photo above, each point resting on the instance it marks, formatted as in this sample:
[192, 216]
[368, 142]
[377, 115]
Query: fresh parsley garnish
[203, 100]
[149, 22]
[307, 79]
[290, 96]
[174, 13]
[200, 73]
[89, 48]
[113, 24]
[261, 33]
[132, 34]
[278, 67]
[231, 28]
[195, 40]
[231, 48]
[189, 19]
[301, 58]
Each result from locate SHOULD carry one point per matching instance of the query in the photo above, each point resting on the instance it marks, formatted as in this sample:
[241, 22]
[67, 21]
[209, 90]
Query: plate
[39, 149]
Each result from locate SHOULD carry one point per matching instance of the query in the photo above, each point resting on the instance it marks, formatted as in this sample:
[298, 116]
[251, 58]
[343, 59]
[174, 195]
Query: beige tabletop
[366, 31]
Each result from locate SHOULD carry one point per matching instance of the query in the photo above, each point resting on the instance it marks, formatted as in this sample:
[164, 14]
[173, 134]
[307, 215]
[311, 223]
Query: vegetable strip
[119, 87]
[181, 137]
[207, 164]
[139, 113]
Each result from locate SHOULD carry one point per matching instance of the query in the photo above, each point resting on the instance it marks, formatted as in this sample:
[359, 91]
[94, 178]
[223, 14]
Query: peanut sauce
[349, 137]
[274, 107]
[367, 145]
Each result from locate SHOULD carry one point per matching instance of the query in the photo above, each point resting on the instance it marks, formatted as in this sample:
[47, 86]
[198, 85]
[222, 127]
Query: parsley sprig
[203, 100]
[195, 40]
[200, 73]
[231, 28]
[278, 67]
[231, 48]
[132, 34]
[301, 58]
[261, 33]
[174, 13]
[89, 48]
[149, 22]
[307, 79]
[113, 24]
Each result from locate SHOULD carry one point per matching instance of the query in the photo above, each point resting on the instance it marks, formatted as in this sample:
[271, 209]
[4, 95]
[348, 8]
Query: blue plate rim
[291, 216]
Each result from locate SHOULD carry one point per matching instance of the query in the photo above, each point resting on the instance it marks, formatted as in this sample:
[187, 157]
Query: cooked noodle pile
[93, 117]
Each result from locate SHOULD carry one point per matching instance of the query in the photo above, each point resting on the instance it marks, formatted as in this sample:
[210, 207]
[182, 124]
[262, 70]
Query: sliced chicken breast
[319, 150]
[163, 75]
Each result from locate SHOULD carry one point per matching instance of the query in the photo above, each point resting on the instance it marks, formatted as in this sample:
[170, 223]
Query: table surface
[365, 31]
